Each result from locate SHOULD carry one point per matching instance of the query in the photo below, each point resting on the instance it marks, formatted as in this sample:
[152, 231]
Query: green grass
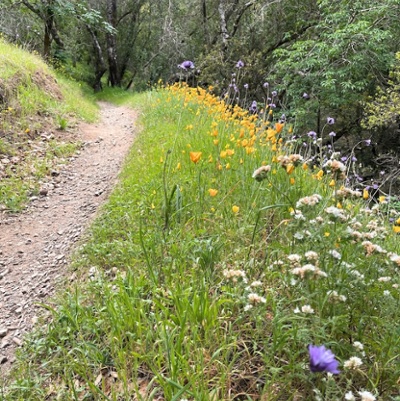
[34, 99]
[184, 295]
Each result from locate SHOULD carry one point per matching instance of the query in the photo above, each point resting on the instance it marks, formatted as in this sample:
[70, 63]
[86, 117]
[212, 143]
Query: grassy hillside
[225, 267]
[38, 110]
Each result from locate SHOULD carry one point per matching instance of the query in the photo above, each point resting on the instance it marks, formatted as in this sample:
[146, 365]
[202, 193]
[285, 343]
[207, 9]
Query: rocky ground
[35, 245]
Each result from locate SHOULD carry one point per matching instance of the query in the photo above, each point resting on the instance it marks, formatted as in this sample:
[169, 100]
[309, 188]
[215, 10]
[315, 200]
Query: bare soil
[35, 245]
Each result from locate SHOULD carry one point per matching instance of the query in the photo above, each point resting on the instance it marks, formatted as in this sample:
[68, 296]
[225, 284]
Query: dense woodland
[323, 58]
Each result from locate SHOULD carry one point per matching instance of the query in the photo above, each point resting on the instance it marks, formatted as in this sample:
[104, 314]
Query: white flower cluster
[335, 254]
[308, 268]
[365, 396]
[395, 258]
[307, 309]
[311, 200]
[311, 256]
[344, 193]
[336, 213]
[353, 363]
[261, 173]
[334, 296]
[234, 275]
[336, 167]
[294, 159]
[371, 248]
[254, 298]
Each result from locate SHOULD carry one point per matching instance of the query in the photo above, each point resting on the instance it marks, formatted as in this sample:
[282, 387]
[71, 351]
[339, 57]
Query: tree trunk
[223, 27]
[113, 76]
[100, 65]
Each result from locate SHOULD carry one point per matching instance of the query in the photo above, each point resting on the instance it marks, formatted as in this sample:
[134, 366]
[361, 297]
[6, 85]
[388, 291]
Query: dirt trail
[35, 245]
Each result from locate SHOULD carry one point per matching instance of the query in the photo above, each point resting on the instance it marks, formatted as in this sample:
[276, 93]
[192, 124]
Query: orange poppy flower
[195, 156]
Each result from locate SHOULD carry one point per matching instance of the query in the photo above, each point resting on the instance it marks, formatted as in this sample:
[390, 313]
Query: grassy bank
[219, 258]
[38, 111]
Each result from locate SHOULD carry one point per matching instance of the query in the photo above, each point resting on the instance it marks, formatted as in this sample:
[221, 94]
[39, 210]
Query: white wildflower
[311, 256]
[261, 173]
[307, 309]
[353, 363]
[349, 396]
[256, 299]
[335, 297]
[294, 259]
[384, 279]
[366, 396]
[358, 346]
[309, 200]
[335, 254]
[234, 274]
[336, 213]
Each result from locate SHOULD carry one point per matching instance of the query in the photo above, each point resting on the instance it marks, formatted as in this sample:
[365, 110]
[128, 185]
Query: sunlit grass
[218, 259]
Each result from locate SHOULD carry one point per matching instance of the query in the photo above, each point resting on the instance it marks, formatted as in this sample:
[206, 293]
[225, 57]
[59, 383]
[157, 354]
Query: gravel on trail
[35, 245]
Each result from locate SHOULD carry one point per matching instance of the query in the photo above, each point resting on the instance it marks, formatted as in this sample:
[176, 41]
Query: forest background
[323, 58]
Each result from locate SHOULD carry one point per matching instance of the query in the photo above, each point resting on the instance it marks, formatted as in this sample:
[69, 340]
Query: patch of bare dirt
[35, 245]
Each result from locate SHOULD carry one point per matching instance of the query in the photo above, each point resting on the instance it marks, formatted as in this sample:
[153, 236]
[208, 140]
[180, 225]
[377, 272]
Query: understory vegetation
[227, 249]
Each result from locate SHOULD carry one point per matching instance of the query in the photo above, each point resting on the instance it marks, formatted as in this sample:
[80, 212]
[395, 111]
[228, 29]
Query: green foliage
[384, 108]
[337, 58]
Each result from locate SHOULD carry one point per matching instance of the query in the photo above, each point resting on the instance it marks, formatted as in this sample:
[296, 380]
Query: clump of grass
[221, 255]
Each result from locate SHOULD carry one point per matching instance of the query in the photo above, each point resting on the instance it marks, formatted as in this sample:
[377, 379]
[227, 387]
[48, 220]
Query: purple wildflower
[343, 158]
[186, 65]
[305, 96]
[354, 159]
[330, 120]
[272, 105]
[253, 108]
[274, 93]
[322, 359]
[312, 134]
[240, 64]
[265, 84]
[368, 142]
[246, 86]
[332, 134]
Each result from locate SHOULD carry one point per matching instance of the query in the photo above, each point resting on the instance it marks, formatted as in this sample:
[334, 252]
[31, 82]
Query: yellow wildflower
[290, 168]
[365, 194]
[235, 209]
[213, 192]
